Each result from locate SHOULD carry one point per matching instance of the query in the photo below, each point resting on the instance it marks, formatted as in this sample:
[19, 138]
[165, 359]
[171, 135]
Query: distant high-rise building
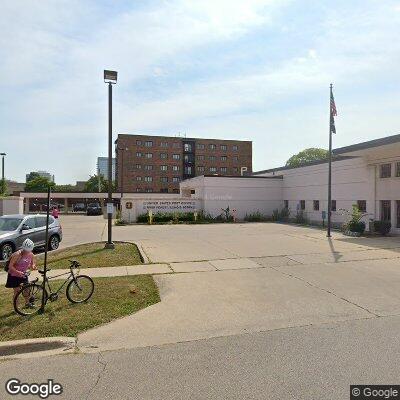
[102, 167]
[43, 174]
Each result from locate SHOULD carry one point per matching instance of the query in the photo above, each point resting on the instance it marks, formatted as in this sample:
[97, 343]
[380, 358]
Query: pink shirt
[23, 263]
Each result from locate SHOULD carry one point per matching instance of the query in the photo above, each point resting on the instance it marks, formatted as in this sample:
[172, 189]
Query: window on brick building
[211, 158]
[200, 146]
[138, 178]
[175, 168]
[138, 142]
[200, 157]
[224, 170]
[213, 146]
[148, 167]
[213, 169]
[163, 156]
[139, 154]
[164, 179]
[148, 179]
[235, 147]
[176, 179]
[176, 156]
[138, 166]
[164, 167]
[149, 155]
[223, 147]
[148, 143]
[200, 168]
[149, 190]
[164, 144]
[224, 158]
[235, 158]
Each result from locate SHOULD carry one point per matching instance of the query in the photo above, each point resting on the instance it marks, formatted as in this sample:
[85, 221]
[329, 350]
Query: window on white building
[386, 171]
[386, 210]
[302, 205]
[316, 205]
[333, 205]
[362, 205]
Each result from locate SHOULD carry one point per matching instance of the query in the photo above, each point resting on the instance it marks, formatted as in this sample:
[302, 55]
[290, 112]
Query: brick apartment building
[158, 163]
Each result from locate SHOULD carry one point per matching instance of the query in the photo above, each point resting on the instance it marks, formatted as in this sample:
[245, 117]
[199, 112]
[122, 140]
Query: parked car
[94, 209]
[79, 207]
[14, 229]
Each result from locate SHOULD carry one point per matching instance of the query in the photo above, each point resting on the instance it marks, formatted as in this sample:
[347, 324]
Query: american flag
[333, 106]
[333, 113]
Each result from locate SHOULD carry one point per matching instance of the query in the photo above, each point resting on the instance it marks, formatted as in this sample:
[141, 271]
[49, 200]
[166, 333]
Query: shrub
[281, 215]
[383, 227]
[255, 217]
[300, 218]
[356, 226]
[143, 218]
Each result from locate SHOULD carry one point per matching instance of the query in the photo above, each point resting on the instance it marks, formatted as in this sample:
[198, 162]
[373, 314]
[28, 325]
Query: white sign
[169, 205]
[110, 208]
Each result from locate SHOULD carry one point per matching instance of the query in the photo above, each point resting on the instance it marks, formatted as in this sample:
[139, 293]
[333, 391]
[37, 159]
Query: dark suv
[14, 229]
[94, 209]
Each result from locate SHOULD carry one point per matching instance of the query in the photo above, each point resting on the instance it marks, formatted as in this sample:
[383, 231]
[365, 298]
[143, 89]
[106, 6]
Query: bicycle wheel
[29, 299]
[80, 289]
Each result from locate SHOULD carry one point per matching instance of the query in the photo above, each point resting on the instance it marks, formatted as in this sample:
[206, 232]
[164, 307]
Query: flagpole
[330, 168]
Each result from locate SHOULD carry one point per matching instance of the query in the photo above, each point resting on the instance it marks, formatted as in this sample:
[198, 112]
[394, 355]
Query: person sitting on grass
[20, 262]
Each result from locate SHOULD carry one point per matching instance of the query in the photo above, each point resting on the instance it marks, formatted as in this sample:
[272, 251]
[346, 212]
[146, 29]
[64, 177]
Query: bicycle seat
[41, 271]
[74, 263]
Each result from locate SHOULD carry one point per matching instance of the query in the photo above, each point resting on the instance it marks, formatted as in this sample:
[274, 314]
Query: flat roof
[240, 177]
[368, 145]
[179, 137]
[316, 162]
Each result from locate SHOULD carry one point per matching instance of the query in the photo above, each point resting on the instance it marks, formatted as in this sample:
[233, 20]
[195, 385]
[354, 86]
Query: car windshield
[9, 224]
[94, 205]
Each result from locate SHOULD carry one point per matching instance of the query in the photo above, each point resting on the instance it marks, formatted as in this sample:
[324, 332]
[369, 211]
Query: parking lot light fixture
[110, 77]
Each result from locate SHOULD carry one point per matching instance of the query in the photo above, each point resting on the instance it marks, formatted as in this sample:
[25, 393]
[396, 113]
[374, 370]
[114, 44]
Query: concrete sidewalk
[142, 269]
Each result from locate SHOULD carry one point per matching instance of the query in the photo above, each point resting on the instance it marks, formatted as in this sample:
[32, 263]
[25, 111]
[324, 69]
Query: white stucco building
[366, 174]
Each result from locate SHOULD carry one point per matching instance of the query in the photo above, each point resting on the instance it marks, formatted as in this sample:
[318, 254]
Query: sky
[231, 69]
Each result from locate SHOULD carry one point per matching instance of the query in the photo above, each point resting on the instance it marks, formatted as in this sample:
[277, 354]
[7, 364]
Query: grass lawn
[113, 298]
[93, 255]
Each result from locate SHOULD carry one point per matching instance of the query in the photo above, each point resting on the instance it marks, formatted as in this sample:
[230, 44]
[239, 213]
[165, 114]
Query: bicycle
[80, 288]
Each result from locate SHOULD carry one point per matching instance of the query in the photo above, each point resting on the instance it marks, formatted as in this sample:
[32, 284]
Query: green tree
[39, 184]
[64, 188]
[306, 156]
[92, 185]
[31, 176]
[3, 187]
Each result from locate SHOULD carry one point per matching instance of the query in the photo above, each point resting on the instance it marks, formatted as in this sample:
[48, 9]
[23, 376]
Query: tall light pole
[3, 181]
[110, 77]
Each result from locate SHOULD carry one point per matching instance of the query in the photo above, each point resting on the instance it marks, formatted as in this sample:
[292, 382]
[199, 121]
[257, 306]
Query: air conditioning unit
[243, 170]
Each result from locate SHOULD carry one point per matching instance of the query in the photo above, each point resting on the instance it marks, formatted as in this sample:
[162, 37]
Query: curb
[38, 347]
